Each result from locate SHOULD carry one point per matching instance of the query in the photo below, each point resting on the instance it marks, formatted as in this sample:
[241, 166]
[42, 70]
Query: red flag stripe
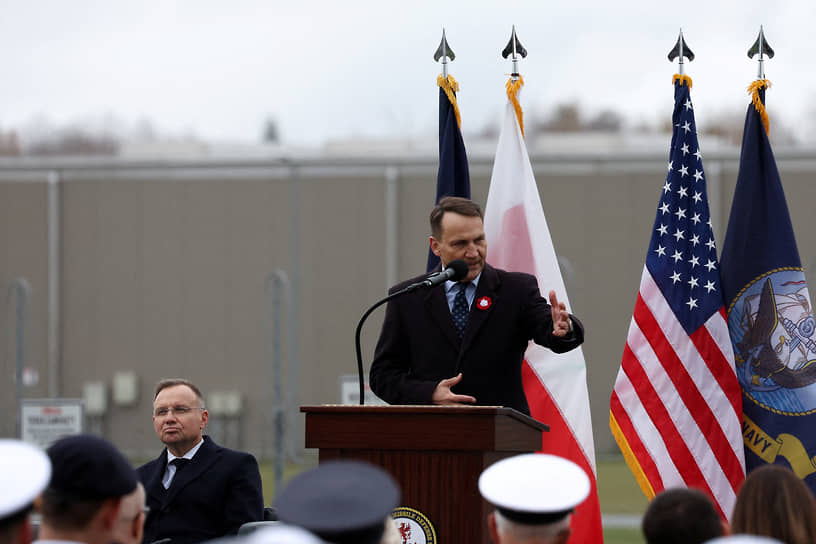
[716, 331]
[643, 422]
[719, 400]
[679, 452]
[561, 441]
[635, 447]
[685, 350]
[695, 405]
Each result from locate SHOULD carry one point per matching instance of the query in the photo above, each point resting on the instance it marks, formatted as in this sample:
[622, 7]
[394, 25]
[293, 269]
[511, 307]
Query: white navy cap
[744, 539]
[24, 472]
[534, 488]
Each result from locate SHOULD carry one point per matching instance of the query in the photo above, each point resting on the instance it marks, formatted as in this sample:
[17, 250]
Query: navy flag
[769, 313]
[453, 178]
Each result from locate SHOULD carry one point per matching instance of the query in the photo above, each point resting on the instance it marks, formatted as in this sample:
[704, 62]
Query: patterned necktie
[459, 313]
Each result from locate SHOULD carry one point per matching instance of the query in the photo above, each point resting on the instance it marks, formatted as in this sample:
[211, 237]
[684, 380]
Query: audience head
[340, 501]
[534, 496]
[24, 472]
[179, 415]
[89, 482]
[681, 516]
[129, 527]
[774, 502]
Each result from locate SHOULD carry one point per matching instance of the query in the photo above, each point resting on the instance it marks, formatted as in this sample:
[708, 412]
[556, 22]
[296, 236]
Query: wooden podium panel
[436, 453]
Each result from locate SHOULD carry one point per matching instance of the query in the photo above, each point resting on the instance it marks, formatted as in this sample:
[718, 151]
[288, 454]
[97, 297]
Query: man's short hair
[525, 531]
[172, 382]
[66, 513]
[681, 516]
[454, 204]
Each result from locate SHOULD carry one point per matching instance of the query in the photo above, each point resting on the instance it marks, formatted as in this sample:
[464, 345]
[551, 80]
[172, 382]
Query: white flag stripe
[688, 355]
[513, 184]
[692, 436]
[717, 327]
[646, 431]
[560, 374]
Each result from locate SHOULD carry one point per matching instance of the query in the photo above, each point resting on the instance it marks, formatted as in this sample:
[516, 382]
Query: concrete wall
[161, 268]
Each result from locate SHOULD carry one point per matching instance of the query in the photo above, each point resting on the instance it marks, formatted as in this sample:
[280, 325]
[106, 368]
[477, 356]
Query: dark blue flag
[769, 313]
[453, 178]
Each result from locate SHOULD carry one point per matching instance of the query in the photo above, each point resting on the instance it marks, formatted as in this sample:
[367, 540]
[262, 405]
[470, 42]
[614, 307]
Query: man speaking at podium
[464, 342]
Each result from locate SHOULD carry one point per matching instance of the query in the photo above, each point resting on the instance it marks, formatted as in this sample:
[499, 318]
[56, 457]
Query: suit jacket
[217, 492]
[419, 345]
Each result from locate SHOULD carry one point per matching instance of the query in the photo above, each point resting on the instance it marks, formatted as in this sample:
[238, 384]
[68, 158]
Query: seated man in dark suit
[196, 490]
[464, 342]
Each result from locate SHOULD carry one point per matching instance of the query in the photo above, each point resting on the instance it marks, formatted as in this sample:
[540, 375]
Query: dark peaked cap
[89, 468]
[340, 501]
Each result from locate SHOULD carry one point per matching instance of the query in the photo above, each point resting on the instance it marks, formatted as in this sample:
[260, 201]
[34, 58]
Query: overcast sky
[332, 69]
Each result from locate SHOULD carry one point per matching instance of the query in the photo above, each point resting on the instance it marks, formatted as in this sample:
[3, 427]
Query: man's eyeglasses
[177, 410]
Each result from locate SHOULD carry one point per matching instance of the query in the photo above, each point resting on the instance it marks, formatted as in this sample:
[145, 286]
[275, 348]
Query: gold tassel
[512, 92]
[684, 80]
[754, 88]
[450, 87]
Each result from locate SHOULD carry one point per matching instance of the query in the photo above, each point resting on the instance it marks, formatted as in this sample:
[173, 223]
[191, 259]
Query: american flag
[676, 406]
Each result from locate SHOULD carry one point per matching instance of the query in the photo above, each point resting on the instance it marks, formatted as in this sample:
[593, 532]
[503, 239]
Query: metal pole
[274, 286]
[22, 289]
[391, 212]
[293, 311]
[54, 283]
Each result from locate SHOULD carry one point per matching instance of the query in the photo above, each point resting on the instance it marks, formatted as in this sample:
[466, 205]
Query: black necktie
[179, 463]
[460, 309]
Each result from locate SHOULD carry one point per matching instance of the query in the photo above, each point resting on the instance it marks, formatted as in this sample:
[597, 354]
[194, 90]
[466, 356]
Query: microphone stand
[376, 305]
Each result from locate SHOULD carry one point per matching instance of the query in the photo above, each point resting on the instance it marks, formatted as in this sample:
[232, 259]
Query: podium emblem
[413, 526]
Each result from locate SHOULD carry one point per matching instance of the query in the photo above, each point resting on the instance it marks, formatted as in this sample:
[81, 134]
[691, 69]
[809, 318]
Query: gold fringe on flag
[512, 92]
[450, 87]
[684, 80]
[631, 460]
[754, 88]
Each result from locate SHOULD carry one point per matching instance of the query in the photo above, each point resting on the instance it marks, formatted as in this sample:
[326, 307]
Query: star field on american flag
[682, 254]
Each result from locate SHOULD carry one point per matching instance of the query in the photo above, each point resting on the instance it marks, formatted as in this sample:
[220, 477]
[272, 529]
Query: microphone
[455, 271]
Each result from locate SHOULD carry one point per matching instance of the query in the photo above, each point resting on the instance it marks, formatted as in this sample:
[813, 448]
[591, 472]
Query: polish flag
[555, 385]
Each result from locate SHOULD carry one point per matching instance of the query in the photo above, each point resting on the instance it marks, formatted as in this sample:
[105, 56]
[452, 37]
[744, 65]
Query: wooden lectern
[436, 453]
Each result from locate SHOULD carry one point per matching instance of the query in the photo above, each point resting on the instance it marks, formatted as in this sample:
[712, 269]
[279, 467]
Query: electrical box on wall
[225, 403]
[125, 388]
[95, 396]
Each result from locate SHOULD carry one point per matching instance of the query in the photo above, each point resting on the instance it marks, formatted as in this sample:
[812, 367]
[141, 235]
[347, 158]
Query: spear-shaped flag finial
[762, 48]
[515, 49]
[445, 53]
[681, 50]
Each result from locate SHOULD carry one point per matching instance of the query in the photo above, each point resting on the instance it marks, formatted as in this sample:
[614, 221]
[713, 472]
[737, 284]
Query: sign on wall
[44, 421]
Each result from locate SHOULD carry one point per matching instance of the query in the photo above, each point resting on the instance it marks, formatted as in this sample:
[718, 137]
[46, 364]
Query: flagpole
[761, 47]
[445, 53]
[679, 51]
[515, 50]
